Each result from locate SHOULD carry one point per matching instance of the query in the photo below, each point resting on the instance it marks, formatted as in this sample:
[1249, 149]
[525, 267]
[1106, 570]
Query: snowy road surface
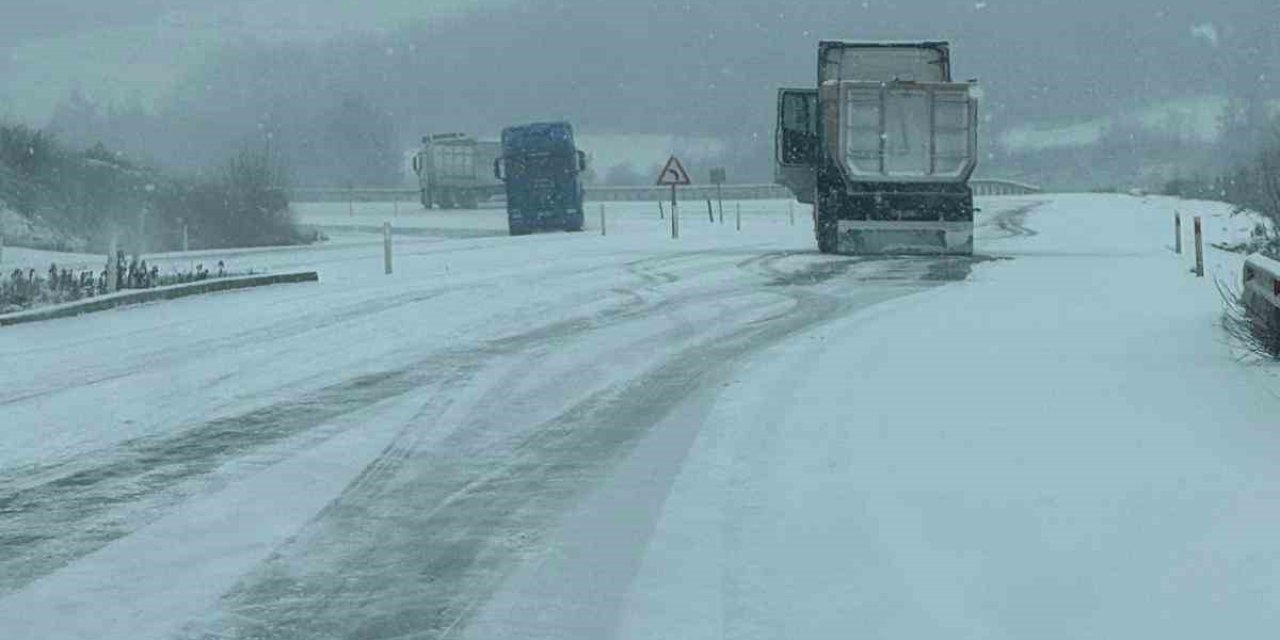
[729, 435]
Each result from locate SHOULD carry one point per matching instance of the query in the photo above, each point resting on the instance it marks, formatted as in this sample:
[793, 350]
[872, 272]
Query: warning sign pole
[673, 174]
[675, 215]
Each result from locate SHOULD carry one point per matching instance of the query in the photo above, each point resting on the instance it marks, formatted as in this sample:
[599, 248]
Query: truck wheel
[519, 231]
[467, 200]
[827, 239]
[825, 230]
[425, 197]
[575, 222]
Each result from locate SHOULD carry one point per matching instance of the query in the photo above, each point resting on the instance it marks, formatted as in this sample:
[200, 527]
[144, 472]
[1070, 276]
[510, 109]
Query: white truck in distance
[455, 171]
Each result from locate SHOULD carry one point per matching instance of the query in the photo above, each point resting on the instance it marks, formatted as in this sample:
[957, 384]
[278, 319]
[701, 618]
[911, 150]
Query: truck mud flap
[881, 237]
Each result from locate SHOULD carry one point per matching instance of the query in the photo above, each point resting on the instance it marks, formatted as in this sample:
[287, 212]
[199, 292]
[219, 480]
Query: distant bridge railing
[982, 187]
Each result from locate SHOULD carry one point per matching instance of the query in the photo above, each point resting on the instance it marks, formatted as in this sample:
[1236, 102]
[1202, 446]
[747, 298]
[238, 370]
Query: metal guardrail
[633, 194]
[592, 194]
[691, 192]
[986, 187]
[1261, 292]
[139, 296]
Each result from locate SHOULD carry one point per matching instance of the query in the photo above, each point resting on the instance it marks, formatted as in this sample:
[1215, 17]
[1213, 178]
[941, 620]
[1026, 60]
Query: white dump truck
[883, 148]
[455, 171]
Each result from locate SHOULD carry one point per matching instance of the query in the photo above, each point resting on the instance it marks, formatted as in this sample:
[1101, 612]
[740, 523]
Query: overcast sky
[121, 50]
[1040, 59]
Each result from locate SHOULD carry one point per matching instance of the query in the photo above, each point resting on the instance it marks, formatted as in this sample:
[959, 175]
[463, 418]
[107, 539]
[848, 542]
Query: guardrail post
[1177, 233]
[603, 230]
[386, 246]
[1199, 250]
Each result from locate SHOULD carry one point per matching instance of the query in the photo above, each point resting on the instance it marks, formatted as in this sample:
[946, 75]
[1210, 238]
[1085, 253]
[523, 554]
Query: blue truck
[542, 170]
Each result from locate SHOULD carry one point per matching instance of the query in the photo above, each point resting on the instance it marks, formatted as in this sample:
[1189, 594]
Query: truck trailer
[883, 149]
[453, 171]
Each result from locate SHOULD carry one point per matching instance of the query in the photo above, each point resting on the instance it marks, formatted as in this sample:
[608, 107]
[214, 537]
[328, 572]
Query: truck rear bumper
[861, 237]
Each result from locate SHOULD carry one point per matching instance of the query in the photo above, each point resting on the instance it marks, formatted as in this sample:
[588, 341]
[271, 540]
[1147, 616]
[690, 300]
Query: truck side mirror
[497, 169]
[582, 161]
[797, 138]
[417, 164]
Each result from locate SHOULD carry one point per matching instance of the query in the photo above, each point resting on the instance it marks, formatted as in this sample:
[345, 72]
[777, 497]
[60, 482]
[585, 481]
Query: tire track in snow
[53, 514]
[414, 556]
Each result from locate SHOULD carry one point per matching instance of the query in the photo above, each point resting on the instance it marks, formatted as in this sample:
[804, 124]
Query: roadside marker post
[737, 215]
[791, 211]
[673, 175]
[1199, 249]
[186, 238]
[351, 201]
[1177, 233]
[603, 230]
[386, 246]
[710, 216]
[662, 213]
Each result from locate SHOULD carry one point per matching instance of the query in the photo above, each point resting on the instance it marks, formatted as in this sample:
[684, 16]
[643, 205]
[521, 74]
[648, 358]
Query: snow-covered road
[575, 436]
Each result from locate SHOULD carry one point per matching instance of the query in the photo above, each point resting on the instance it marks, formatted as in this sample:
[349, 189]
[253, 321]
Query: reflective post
[737, 215]
[603, 230]
[711, 217]
[1199, 249]
[386, 246]
[1177, 232]
[791, 211]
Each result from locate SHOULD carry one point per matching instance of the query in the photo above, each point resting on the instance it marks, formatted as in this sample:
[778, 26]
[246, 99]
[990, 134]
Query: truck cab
[541, 168]
[883, 149]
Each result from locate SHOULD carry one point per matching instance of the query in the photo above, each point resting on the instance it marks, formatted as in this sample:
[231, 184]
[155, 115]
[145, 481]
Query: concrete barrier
[139, 296]
[1261, 293]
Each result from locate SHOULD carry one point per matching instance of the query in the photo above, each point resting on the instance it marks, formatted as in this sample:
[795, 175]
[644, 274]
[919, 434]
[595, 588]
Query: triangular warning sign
[673, 174]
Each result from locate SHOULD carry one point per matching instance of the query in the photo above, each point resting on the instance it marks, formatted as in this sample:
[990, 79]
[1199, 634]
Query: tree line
[90, 197]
